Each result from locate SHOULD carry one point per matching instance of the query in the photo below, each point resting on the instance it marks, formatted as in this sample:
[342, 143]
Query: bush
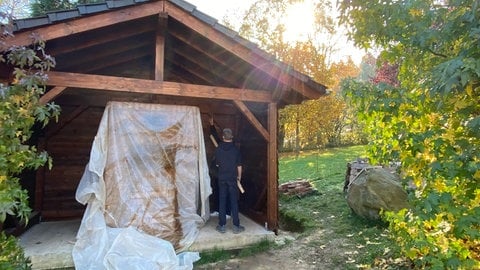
[11, 254]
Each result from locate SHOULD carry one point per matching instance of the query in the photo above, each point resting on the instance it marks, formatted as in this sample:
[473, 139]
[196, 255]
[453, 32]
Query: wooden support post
[272, 174]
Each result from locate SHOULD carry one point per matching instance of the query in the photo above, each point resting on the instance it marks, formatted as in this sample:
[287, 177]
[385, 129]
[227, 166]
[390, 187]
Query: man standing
[228, 160]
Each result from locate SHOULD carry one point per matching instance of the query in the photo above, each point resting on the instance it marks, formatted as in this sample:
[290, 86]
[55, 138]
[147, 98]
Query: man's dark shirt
[227, 159]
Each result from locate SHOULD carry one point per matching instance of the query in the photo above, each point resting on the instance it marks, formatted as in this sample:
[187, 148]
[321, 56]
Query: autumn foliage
[315, 123]
[427, 118]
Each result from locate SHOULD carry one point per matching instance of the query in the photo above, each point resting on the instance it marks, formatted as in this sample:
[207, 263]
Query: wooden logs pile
[299, 187]
[353, 169]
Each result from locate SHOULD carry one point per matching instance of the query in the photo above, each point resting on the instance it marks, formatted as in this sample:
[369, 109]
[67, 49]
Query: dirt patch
[316, 251]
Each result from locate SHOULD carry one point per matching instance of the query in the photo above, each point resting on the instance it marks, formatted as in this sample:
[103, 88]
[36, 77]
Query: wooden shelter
[159, 51]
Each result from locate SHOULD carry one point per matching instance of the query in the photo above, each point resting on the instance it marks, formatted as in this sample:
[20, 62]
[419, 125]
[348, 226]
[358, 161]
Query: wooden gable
[158, 52]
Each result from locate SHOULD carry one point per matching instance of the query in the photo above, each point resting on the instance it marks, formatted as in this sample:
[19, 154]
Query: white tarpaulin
[147, 174]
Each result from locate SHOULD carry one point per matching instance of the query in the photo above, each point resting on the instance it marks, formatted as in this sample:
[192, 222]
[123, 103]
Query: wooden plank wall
[253, 202]
[69, 145]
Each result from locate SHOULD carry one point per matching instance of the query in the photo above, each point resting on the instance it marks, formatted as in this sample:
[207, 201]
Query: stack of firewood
[354, 168]
[299, 187]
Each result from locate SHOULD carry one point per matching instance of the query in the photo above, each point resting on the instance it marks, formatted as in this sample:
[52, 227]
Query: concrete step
[49, 245]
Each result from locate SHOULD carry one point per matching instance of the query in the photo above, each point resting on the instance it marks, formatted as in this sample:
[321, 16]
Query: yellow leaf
[469, 90]
[439, 185]
[476, 201]
[415, 12]
[477, 175]
[461, 104]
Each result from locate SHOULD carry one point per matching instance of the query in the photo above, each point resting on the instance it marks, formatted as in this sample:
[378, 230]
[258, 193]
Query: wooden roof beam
[111, 83]
[86, 23]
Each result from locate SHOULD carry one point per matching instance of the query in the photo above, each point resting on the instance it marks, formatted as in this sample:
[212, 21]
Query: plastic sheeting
[147, 174]
[133, 250]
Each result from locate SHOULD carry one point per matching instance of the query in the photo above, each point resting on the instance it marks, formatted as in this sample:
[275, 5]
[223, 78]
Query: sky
[219, 8]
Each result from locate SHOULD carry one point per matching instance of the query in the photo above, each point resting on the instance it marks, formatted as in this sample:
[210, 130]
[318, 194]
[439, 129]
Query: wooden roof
[164, 47]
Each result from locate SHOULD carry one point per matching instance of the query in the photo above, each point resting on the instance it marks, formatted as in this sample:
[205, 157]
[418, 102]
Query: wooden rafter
[180, 73]
[230, 70]
[131, 30]
[110, 83]
[92, 55]
[194, 67]
[113, 60]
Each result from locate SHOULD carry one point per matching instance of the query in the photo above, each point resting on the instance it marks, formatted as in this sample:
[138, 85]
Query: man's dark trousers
[228, 190]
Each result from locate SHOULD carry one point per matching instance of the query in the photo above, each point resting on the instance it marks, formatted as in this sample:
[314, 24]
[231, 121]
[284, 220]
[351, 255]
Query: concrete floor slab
[49, 244]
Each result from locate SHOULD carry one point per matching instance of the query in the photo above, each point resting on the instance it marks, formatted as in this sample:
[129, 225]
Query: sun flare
[299, 21]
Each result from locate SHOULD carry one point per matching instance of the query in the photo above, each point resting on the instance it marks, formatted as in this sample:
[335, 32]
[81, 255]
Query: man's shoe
[238, 229]
[221, 228]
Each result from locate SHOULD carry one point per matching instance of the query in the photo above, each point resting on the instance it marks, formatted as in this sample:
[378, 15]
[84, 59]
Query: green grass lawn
[327, 165]
[325, 169]
[327, 208]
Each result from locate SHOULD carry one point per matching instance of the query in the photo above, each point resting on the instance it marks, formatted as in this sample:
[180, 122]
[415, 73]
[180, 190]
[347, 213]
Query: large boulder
[374, 189]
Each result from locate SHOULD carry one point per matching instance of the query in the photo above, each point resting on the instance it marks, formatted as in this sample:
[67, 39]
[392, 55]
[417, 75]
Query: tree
[314, 123]
[20, 110]
[14, 8]
[342, 70]
[387, 73]
[368, 67]
[430, 121]
[41, 7]
[323, 120]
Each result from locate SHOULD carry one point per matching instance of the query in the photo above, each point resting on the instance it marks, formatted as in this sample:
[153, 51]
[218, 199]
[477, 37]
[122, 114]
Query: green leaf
[474, 126]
